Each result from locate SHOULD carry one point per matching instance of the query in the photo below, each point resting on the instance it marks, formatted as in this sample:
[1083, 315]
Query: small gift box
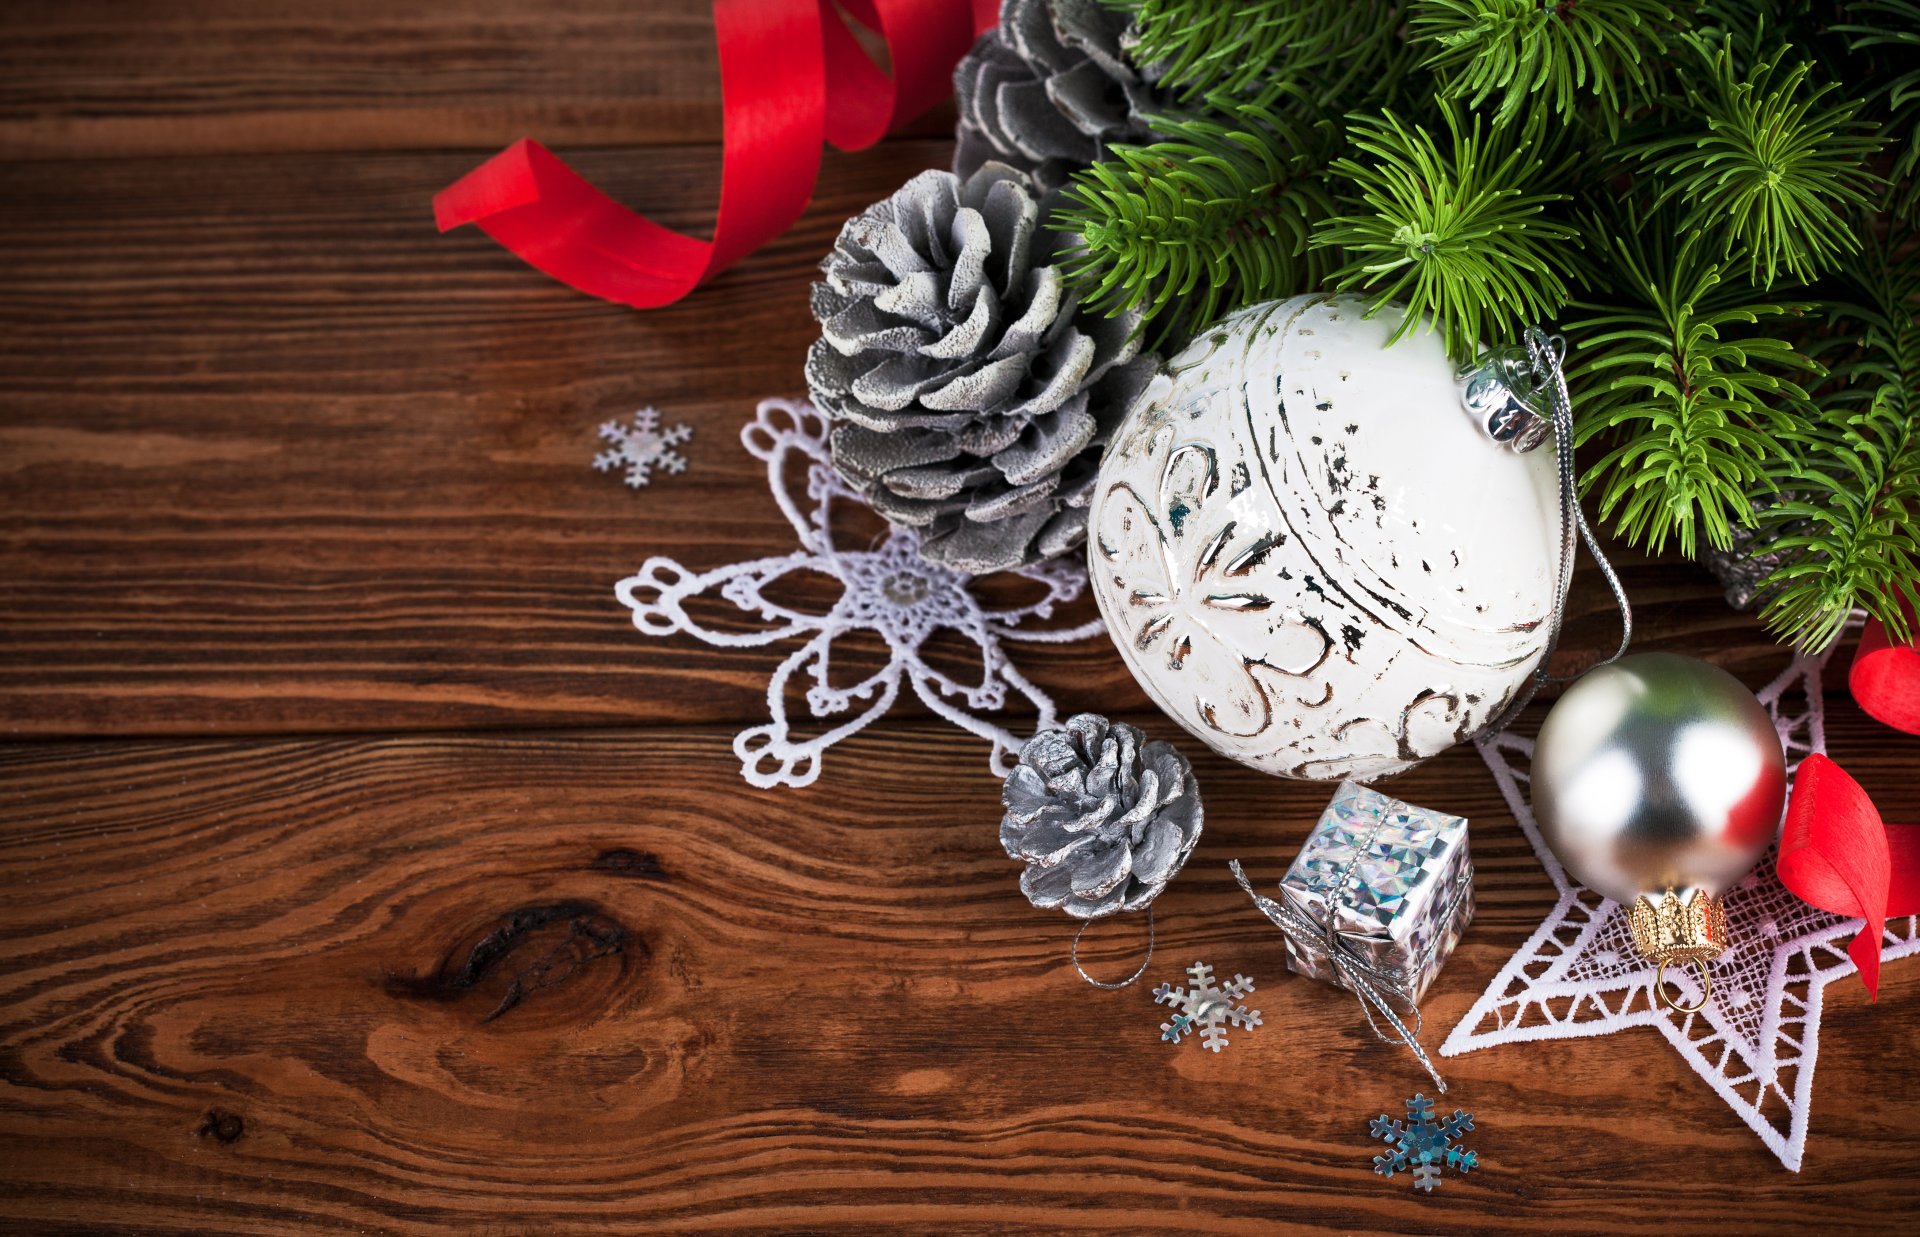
[1375, 901]
[1392, 880]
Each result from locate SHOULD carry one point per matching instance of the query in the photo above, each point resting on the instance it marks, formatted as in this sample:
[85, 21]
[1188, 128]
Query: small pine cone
[970, 397]
[1743, 567]
[1049, 89]
[1101, 821]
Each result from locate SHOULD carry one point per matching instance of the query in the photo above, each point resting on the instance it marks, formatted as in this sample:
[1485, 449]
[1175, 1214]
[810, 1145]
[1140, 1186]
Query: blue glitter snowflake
[1422, 1144]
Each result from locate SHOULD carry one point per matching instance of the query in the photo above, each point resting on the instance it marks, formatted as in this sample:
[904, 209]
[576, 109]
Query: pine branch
[1702, 417]
[1256, 50]
[1458, 235]
[1214, 217]
[1767, 169]
[1753, 29]
[1742, 168]
[1529, 53]
[1859, 496]
[1894, 91]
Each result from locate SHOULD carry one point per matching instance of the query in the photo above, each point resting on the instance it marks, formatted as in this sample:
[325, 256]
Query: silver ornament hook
[1519, 396]
[1133, 978]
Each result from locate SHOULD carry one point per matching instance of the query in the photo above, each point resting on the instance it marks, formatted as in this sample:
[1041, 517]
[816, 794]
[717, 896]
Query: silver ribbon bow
[1376, 986]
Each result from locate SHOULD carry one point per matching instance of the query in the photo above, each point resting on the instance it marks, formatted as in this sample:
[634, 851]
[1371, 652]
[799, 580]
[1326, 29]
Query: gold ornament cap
[1687, 927]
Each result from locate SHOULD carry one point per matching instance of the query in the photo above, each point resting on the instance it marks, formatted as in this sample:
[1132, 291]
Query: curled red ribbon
[791, 73]
[1835, 851]
[1885, 678]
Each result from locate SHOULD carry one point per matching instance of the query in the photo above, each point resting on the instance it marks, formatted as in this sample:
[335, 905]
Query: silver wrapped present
[1392, 881]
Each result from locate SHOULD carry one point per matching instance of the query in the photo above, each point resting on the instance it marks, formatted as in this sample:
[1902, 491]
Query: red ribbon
[791, 74]
[1885, 678]
[1835, 851]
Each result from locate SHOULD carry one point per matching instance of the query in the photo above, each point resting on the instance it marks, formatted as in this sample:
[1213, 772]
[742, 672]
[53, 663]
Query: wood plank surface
[367, 872]
[87, 78]
[277, 457]
[584, 982]
[93, 78]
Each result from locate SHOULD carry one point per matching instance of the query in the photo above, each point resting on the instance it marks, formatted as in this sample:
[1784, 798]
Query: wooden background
[366, 872]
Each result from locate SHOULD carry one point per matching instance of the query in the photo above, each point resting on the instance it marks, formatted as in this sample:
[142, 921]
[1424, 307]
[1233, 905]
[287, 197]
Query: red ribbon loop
[792, 73]
[1885, 678]
[1835, 851]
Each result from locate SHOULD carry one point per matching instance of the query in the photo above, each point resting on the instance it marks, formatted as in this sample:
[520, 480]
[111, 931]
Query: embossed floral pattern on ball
[1310, 556]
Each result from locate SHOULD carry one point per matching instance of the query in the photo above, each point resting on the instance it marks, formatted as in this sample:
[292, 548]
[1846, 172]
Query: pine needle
[1774, 173]
[1856, 502]
[1702, 412]
[1456, 235]
[1532, 55]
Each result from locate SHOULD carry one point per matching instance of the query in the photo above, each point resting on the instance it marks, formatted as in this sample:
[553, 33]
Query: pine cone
[1049, 89]
[970, 398]
[1743, 567]
[1101, 821]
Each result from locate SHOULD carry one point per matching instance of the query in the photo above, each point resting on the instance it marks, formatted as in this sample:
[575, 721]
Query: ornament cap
[1687, 927]
[1508, 397]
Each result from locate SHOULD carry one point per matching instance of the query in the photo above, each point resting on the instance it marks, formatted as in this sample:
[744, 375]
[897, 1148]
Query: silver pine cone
[1743, 567]
[970, 397]
[1101, 820]
[1049, 89]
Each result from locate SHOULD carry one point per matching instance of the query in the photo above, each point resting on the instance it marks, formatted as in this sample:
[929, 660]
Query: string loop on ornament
[1547, 354]
[1133, 978]
[1706, 988]
[1545, 357]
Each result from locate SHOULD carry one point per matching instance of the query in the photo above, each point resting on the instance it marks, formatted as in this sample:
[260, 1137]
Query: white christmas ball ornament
[1308, 552]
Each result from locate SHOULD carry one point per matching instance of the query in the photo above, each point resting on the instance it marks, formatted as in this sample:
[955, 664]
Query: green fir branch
[1701, 412]
[1754, 29]
[1216, 216]
[1896, 89]
[1723, 161]
[1850, 529]
[1256, 50]
[1457, 235]
[1541, 53]
[1766, 167]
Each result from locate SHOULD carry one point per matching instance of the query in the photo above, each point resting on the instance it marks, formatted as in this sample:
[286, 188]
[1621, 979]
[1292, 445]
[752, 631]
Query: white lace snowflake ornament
[1756, 1042]
[642, 447]
[887, 589]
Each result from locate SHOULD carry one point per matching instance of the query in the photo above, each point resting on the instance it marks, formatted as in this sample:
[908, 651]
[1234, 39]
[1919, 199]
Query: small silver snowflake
[1206, 1007]
[642, 447]
[1422, 1144]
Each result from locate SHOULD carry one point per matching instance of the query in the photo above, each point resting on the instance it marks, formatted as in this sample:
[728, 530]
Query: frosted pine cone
[970, 398]
[1101, 821]
[1049, 89]
[1743, 567]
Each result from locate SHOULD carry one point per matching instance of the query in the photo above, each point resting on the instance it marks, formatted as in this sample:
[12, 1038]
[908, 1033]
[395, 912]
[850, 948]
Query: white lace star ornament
[888, 590]
[1756, 1042]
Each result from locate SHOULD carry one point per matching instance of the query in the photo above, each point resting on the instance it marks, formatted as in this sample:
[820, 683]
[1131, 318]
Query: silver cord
[1545, 354]
[1377, 987]
[1133, 978]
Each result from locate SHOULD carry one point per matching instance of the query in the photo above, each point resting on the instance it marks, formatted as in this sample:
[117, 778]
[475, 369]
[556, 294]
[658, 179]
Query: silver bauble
[1658, 772]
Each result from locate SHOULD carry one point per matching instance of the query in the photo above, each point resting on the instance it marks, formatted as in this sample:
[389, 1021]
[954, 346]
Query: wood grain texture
[277, 457]
[586, 983]
[93, 78]
[86, 78]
